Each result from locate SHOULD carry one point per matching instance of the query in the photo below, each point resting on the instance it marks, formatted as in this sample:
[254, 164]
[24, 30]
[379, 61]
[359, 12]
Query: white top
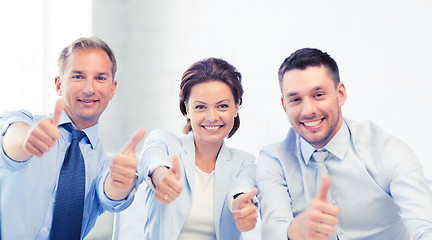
[199, 224]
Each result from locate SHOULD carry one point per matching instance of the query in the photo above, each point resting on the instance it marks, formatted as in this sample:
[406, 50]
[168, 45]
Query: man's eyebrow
[291, 94]
[99, 73]
[103, 73]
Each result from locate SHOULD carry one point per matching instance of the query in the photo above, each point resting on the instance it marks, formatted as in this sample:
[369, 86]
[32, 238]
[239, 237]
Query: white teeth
[211, 127]
[311, 124]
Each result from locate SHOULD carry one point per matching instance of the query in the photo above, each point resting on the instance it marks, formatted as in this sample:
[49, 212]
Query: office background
[383, 49]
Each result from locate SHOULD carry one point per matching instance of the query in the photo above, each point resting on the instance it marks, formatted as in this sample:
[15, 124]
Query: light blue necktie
[320, 156]
[69, 204]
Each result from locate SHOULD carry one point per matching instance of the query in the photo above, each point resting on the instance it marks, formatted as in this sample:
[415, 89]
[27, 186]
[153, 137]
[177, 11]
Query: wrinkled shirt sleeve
[7, 119]
[275, 202]
[407, 184]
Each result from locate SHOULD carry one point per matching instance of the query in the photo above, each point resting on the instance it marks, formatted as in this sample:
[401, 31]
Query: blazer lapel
[222, 182]
[188, 159]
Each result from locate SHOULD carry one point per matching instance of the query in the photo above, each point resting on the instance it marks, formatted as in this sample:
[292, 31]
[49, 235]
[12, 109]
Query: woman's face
[211, 109]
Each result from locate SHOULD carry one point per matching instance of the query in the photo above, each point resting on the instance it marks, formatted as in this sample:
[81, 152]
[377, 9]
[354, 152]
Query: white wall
[33, 32]
[382, 48]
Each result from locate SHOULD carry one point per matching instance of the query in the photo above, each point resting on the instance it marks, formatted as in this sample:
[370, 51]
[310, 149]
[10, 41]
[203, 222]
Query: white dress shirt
[199, 224]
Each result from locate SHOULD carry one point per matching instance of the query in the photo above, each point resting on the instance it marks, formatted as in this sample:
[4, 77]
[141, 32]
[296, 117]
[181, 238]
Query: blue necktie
[69, 204]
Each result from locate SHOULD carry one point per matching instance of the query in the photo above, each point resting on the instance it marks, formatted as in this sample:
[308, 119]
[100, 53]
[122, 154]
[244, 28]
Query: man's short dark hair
[309, 57]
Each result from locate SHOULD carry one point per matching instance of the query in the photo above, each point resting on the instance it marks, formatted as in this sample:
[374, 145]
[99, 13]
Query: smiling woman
[197, 178]
[211, 109]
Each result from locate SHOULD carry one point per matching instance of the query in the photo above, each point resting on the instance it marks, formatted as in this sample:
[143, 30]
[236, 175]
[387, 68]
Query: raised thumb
[248, 196]
[58, 109]
[325, 186]
[176, 167]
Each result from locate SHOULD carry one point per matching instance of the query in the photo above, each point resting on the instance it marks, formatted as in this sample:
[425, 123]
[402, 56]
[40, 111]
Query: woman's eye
[223, 106]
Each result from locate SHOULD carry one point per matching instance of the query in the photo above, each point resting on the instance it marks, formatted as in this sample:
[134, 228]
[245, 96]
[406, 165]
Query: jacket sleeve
[155, 153]
[276, 212]
[245, 179]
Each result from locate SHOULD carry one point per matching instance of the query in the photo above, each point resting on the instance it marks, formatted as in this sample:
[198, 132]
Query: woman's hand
[166, 180]
[244, 211]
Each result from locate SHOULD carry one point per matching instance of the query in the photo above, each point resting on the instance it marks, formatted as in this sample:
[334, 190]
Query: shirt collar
[91, 132]
[306, 149]
[336, 146]
[339, 143]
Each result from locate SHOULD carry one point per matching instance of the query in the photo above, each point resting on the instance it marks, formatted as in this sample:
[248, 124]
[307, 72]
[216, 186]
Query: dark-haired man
[332, 177]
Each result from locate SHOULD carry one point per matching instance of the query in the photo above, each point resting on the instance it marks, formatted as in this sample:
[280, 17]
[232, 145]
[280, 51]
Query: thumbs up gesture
[318, 221]
[122, 174]
[21, 141]
[244, 211]
[166, 180]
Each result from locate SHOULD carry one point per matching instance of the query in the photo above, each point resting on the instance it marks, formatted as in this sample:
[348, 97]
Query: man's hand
[122, 174]
[21, 141]
[168, 186]
[318, 221]
[244, 211]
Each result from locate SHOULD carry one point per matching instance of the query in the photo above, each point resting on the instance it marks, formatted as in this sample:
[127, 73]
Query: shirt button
[53, 200]
[342, 231]
[334, 202]
[45, 229]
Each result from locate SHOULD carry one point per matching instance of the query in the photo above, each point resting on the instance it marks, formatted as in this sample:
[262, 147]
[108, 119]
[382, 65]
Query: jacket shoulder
[289, 144]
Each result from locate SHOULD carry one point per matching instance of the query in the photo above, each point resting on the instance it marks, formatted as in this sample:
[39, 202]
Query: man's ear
[58, 85]
[341, 94]
[283, 103]
[113, 88]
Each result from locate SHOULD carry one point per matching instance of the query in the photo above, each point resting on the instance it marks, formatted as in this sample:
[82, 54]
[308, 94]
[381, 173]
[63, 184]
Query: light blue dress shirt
[376, 181]
[234, 173]
[28, 189]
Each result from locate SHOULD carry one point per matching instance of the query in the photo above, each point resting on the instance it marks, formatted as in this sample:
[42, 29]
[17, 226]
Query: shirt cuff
[149, 173]
[114, 205]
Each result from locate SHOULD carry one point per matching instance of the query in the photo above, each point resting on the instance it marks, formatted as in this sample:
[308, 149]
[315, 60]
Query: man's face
[313, 104]
[86, 86]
